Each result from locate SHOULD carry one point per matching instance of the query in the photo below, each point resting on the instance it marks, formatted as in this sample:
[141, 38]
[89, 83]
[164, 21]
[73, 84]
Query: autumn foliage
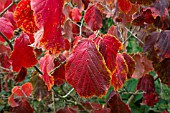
[87, 50]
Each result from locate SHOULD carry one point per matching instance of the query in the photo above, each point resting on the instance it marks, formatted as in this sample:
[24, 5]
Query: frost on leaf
[46, 66]
[86, 70]
[6, 28]
[124, 5]
[40, 90]
[146, 83]
[93, 18]
[116, 104]
[22, 55]
[109, 47]
[24, 18]
[48, 16]
[120, 75]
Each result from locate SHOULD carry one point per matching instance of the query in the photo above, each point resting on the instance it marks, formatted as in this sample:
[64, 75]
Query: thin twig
[62, 63]
[53, 99]
[6, 69]
[80, 33]
[129, 36]
[68, 93]
[6, 39]
[75, 103]
[134, 35]
[36, 68]
[136, 92]
[6, 9]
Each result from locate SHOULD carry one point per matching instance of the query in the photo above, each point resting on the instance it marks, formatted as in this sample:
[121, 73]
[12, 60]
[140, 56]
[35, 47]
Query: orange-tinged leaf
[49, 16]
[124, 5]
[40, 90]
[116, 104]
[17, 91]
[27, 89]
[46, 66]
[120, 75]
[24, 18]
[6, 28]
[22, 55]
[93, 18]
[109, 47]
[86, 70]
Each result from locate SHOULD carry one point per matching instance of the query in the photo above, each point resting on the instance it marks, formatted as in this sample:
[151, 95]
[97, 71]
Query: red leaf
[9, 15]
[116, 104]
[109, 47]
[143, 2]
[6, 28]
[12, 102]
[59, 74]
[146, 83]
[21, 75]
[163, 71]
[40, 90]
[86, 70]
[124, 5]
[22, 55]
[75, 14]
[5, 61]
[162, 45]
[93, 18]
[95, 107]
[149, 49]
[24, 107]
[46, 66]
[150, 99]
[24, 17]
[120, 75]
[66, 110]
[49, 17]
[143, 66]
[130, 63]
